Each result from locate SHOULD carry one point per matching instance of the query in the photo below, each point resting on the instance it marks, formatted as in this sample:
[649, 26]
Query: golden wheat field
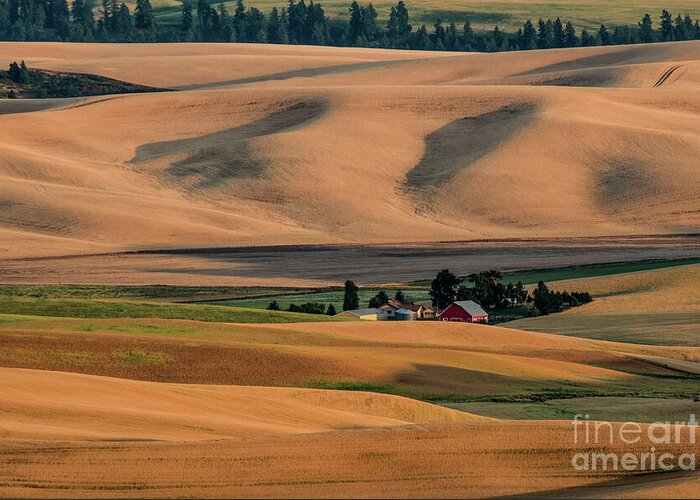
[303, 166]
[163, 408]
[443, 146]
[659, 307]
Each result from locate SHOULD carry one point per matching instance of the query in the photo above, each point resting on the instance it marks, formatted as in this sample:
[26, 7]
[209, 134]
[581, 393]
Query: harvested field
[304, 117]
[424, 360]
[472, 460]
[61, 406]
[659, 307]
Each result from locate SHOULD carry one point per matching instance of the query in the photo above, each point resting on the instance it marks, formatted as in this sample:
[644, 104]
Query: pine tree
[315, 28]
[81, 14]
[5, 24]
[404, 19]
[529, 38]
[57, 17]
[369, 23]
[443, 289]
[392, 26]
[274, 27]
[467, 35]
[187, 21]
[110, 9]
[646, 29]
[421, 41]
[666, 28]
[498, 38]
[550, 33]
[122, 22]
[679, 31]
[18, 73]
[356, 27]
[558, 34]
[226, 31]
[452, 37]
[331, 310]
[296, 13]
[587, 40]
[239, 19]
[207, 21]
[604, 35]
[542, 35]
[143, 16]
[689, 27]
[254, 26]
[351, 298]
[570, 38]
[439, 33]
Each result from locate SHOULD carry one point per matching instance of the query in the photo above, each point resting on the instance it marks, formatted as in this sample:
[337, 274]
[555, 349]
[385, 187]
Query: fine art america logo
[661, 446]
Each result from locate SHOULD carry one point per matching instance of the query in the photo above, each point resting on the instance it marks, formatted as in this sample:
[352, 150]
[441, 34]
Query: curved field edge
[77, 308]
[93, 408]
[436, 361]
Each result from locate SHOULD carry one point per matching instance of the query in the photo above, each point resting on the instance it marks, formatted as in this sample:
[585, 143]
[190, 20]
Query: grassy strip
[532, 276]
[591, 271]
[658, 328]
[334, 297]
[163, 292]
[562, 393]
[75, 308]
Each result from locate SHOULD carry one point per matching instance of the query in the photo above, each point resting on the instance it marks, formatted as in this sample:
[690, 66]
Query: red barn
[466, 311]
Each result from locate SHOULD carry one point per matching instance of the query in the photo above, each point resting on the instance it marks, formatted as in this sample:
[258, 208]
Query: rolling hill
[443, 146]
[659, 307]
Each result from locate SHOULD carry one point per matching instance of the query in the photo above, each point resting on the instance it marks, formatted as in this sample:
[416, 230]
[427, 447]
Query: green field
[485, 14]
[84, 308]
[590, 271]
[334, 297]
[613, 409]
[662, 328]
[160, 292]
[532, 276]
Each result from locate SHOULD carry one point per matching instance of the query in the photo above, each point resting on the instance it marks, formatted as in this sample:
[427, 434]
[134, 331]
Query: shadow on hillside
[215, 158]
[436, 381]
[462, 142]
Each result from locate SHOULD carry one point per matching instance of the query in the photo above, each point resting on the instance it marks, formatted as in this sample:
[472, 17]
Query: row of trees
[45, 20]
[302, 23]
[554, 34]
[488, 291]
[547, 301]
[306, 308]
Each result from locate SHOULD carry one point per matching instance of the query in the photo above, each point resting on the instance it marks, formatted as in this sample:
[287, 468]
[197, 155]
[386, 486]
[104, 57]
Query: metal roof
[365, 312]
[472, 308]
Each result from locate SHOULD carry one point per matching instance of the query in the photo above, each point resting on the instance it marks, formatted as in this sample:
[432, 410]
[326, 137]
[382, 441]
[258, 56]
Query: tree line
[299, 23]
[487, 290]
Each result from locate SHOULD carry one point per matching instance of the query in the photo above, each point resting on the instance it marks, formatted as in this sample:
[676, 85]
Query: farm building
[420, 311]
[404, 314]
[466, 311]
[391, 306]
[366, 314]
